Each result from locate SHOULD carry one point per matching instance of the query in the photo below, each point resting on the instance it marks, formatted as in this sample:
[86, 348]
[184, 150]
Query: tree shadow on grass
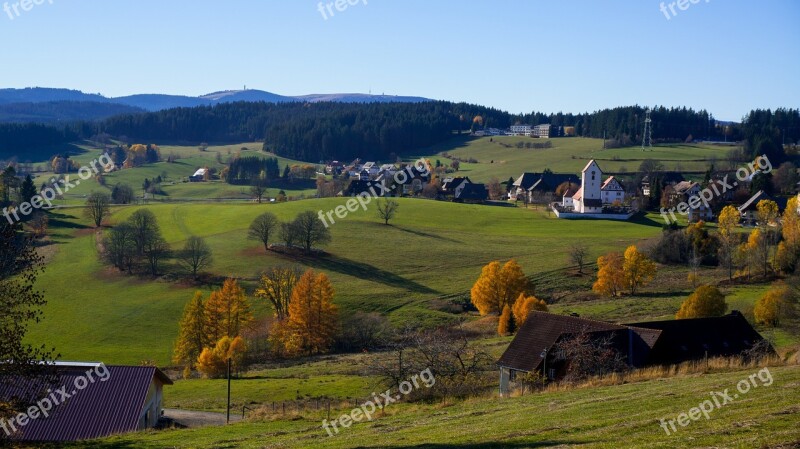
[642, 219]
[425, 234]
[59, 221]
[361, 270]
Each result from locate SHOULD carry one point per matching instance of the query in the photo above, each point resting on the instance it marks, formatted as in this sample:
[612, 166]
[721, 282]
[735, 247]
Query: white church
[594, 193]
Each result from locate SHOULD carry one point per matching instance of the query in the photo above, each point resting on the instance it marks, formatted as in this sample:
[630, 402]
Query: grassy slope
[568, 155]
[606, 417]
[191, 158]
[432, 249]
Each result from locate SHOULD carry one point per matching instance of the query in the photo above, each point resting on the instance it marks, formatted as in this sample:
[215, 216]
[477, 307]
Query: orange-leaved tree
[506, 325]
[313, 317]
[213, 363]
[192, 337]
[728, 220]
[610, 274]
[227, 311]
[524, 305]
[638, 269]
[498, 287]
[775, 305]
[706, 301]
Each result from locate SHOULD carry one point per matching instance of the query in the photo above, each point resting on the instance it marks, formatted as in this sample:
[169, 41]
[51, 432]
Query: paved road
[192, 419]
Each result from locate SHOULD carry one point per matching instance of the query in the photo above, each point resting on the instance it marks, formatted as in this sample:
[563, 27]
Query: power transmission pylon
[647, 138]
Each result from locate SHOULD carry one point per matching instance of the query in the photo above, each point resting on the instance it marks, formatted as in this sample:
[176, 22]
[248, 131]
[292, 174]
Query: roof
[451, 183]
[549, 182]
[571, 192]
[473, 191]
[200, 172]
[589, 165]
[103, 408]
[609, 181]
[648, 343]
[357, 187]
[541, 331]
[690, 339]
[752, 203]
[684, 186]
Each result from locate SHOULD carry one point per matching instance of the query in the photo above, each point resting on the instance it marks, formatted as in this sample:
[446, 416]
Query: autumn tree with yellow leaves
[610, 275]
[507, 324]
[227, 311]
[788, 253]
[213, 362]
[638, 269]
[192, 338]
[276, 287]
[313, 318]
[706, 301]
[524, 305]
[774, 306]
[728, 238]
[498, 286]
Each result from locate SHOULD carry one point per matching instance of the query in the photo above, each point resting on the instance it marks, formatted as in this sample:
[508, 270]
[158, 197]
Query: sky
[725, 56]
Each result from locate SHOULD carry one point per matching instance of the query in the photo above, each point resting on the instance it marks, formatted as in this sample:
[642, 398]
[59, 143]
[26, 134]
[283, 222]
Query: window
[551, 373]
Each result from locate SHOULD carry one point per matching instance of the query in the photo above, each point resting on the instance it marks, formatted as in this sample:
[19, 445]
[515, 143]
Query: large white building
[593, 193]
[521, 130]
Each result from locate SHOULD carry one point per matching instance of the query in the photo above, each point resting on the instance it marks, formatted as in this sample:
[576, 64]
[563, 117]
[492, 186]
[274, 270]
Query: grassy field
[175, 175]
[498, 156]
[432, 249]
[626, 415]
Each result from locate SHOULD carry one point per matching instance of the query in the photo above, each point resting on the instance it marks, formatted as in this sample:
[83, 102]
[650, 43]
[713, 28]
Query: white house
[612, 191]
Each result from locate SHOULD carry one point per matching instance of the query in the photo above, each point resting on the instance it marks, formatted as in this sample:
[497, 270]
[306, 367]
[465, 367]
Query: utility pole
[228, 420]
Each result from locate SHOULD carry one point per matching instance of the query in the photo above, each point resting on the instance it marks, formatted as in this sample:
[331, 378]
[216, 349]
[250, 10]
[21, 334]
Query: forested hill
[311, 131]
[322, 131]
[325, 131]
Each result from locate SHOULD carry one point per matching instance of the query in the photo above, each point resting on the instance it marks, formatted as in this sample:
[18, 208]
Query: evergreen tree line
[344, 131]
[245, 170]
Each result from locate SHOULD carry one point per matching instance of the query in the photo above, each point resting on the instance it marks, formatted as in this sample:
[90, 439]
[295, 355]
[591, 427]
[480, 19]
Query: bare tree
[97, 207]
[310, 231]
[264, 227]
[258, 190]
[276, 287]
[196, 255]
[496, 191]
[387, 209]
[578, 254]
[156, 250]
[584, 355]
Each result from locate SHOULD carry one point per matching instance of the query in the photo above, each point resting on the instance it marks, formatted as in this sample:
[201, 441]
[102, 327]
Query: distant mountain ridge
[158, 102]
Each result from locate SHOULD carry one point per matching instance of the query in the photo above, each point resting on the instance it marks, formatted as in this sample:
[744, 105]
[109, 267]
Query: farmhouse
[749, 209]
[199, 175]
[664, 179]
[129, 399]
[682, 192]
[537, 345]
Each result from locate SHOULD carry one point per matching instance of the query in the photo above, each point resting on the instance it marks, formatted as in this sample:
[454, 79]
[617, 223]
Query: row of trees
[306, 321]
[617, 273]
[305, 231]
[136, 245]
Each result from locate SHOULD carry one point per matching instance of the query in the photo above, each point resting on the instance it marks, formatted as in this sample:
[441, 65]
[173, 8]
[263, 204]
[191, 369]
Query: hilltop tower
[647, 136]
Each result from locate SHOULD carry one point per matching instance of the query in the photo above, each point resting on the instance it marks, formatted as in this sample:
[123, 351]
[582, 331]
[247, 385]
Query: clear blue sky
[728, 56]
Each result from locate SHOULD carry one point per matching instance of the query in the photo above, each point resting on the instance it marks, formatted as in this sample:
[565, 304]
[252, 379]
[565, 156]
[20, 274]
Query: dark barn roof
[99, 410]
[473, 192]
[549, 182]
[650, 343]
[541, 331]
[683, 340]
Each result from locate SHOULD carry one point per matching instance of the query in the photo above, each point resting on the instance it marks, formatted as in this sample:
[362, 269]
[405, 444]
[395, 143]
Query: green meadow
[499, 157]
[431, 250]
